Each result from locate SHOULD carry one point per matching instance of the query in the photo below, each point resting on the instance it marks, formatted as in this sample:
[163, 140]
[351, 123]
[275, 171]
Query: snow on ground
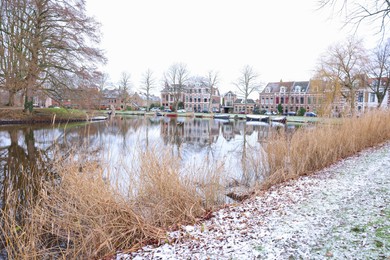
[342, 212]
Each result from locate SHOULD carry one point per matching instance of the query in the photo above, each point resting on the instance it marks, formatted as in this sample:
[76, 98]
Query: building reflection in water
[26, 152]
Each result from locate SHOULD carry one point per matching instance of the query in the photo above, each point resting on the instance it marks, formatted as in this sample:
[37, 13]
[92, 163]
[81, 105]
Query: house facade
[228, 102]
[239, 106]
[112, 97]
[292, 96]
[366, 98]
[140, 100]
[313, 96]
[196, 97]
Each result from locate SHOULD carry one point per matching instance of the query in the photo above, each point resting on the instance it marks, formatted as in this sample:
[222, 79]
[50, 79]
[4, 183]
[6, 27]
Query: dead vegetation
[83, 214]
[313, 148]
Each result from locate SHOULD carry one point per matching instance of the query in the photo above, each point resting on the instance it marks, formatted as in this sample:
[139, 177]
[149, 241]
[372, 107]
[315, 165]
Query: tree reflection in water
[27, 152]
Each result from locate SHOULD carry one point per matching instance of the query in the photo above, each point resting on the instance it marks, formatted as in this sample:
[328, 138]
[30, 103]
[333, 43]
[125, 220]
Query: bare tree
[343, 68]
[247, 83]
[358, 11]
[49, 40]
[211, 81]
[13, 56]
[125, 87]
[102, 80]
[148, 83]
[175, 81]
[379, 71]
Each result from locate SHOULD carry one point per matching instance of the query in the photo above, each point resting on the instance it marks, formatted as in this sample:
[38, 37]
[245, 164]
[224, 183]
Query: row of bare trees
[47, 44]
[177, 80]
[347, 67]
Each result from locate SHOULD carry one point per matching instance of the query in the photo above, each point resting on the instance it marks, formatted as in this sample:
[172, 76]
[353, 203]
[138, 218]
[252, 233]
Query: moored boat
[259, 118]
[279, 119]
[171, 114]
[99, 118]
[257, 123]
[222, 116]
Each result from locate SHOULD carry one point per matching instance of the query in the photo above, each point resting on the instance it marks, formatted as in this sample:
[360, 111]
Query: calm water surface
[27, 151]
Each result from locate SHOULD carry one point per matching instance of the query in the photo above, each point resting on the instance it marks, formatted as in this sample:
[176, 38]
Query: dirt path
[342, 212]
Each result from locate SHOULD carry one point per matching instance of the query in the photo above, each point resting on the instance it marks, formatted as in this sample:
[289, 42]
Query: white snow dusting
[341, 212]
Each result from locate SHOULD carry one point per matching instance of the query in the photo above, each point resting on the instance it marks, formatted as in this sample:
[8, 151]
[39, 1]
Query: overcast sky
[280, 39]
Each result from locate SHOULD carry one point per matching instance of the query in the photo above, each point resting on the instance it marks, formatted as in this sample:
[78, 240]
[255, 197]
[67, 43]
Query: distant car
[291, 113]
[155, 109]
[142, 109]
[311, 114]
[242, 112]
[181, 111]
[268, 113]
[167, 110]
[205, 111]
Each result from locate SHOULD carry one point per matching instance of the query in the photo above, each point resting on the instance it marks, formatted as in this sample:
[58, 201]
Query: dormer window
[268, 90]
[298, 89]
[282, 90]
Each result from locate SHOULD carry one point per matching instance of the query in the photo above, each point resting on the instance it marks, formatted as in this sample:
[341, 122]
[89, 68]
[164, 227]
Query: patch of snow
[341, 212]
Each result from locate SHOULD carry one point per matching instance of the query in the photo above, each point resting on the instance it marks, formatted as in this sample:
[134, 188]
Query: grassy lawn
[45, 113]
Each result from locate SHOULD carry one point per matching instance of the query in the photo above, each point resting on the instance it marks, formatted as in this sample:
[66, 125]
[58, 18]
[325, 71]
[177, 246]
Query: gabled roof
[111, 93]
[241, 101]
[301, 86]
[291, 86]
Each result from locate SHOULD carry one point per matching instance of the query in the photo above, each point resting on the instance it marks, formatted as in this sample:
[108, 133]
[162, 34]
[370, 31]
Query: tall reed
[310, 149]
[82, 213]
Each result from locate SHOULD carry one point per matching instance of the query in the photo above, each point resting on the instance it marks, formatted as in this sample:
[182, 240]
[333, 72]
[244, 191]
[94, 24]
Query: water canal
[28, 151]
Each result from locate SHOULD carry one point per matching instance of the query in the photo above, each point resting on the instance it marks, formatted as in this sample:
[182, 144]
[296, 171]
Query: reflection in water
[119, 140]
[23, 169]
[27, 151]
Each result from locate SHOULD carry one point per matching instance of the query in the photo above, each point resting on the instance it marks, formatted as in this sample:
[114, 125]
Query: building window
[360, 97]
[372, 97]
[282, 89]
[302, 100]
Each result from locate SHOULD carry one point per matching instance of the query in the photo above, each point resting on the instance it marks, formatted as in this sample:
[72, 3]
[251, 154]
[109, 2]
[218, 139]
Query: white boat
[279, 119]
[259, 118]
[98, 118]
[222, 116]
[259, 123]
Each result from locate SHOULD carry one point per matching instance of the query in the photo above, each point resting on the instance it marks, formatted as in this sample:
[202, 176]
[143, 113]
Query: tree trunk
[11, 98]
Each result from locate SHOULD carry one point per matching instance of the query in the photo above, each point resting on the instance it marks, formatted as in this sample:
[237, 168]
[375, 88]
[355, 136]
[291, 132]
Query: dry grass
[82, 217]
[81, 213]
[164, 195]
[312, 149]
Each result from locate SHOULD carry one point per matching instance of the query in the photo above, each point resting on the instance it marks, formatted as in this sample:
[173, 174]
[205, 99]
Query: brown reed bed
[310, 149]
[81, 214]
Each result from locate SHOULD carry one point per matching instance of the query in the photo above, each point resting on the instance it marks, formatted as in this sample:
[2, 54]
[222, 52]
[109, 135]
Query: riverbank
[340, 212]
[92, 218]
[45, 116]
[62, 115]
